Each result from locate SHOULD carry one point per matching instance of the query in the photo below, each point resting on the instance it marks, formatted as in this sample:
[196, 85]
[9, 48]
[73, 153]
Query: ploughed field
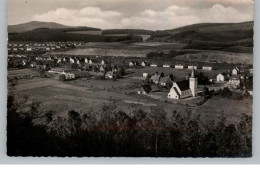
[140, 49]
[85, 95]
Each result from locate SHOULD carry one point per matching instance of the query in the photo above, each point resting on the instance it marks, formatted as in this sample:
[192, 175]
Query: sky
[134, 14]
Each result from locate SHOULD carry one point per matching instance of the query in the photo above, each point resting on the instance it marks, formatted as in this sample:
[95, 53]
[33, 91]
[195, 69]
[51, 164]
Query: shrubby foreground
[116, 133]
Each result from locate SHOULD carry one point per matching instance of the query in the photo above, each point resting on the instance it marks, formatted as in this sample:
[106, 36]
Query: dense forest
[115, 133]
[63, 35]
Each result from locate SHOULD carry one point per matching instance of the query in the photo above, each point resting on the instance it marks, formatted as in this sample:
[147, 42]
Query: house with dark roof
[163, 81]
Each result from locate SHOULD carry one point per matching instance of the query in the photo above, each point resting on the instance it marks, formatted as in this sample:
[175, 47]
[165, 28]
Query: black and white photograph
[130, 78]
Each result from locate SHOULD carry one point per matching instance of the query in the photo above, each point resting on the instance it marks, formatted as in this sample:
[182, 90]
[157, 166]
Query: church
[184, 89]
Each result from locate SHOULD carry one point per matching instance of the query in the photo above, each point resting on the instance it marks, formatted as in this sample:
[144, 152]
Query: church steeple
[193, 83]
[193, 73]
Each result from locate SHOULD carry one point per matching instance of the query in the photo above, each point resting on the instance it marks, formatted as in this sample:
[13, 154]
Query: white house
[103, 62]
[221, 77]
[145, 75]
[235, 71]
[72, 60]
[143, 64]
[131, 64]
[86, 60]
[179, 66]
[185, 88]
[29, 49]
[192, 67]
[206, 68]
[153, 65]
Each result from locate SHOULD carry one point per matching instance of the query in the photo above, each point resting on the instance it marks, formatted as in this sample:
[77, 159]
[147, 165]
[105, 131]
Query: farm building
[143, 64]
[90, 61]
[103, 62]
[86, 60]
[234, 82]
[145, 75]
[179, 66]
[206, 68]
[185, 88]
[166, 65]
[221, 77]
[155, 78]
[235, 71]
[72, 60]
[154, 65]
[132, 63]
[192, 67]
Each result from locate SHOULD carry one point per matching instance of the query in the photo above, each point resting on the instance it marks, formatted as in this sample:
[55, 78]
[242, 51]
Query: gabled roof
[175, 89]
[183, 85]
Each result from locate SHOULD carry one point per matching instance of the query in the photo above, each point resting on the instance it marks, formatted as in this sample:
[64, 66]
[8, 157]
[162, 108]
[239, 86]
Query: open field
[122, 49]
[86, 94]
[141, 49]
[220, 56]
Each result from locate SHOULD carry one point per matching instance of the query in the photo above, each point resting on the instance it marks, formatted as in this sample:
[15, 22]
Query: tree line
[112, 132]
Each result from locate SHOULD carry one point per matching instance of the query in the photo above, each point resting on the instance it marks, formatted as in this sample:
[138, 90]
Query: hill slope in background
[127, 31]
[25, 27]
[197, 36]
[211, 34]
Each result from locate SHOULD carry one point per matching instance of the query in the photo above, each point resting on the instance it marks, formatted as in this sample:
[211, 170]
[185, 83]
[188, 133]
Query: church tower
[193, 84]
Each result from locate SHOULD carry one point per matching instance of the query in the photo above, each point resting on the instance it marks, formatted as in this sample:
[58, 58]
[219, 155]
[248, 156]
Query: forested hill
[239, 34]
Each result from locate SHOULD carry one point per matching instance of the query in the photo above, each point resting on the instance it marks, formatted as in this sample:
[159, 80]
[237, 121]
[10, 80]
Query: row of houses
[166, 65]
[41, 46]
[235, 77]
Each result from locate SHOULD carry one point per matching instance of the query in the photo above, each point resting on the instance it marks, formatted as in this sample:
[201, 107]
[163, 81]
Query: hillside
[66, 34]
[209, 35]
[127, 31]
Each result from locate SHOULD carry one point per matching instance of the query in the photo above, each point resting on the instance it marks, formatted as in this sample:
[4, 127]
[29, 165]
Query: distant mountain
[19, 28]
[215, 34]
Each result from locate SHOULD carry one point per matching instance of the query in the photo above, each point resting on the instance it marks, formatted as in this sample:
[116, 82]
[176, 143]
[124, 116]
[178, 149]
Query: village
[134, 80]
